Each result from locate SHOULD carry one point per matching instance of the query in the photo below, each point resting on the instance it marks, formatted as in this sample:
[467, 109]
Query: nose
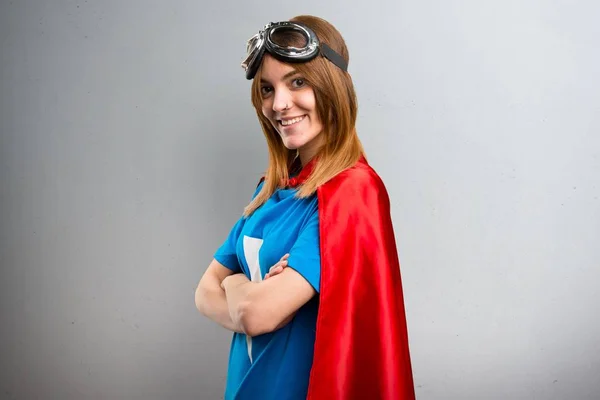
[282, 100]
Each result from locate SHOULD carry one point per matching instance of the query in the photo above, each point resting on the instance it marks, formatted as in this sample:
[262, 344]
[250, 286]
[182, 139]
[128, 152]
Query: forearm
[253, 307]
[237, 289]
[213, 304]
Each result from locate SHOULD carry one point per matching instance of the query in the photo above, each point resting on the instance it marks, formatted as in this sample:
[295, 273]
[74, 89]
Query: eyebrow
[286, 76]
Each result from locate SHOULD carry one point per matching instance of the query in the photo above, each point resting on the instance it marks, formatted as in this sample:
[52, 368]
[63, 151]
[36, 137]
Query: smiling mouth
[289, 122]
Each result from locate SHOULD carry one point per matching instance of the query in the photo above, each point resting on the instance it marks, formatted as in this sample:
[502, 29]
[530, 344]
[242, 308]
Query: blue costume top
[275, 365]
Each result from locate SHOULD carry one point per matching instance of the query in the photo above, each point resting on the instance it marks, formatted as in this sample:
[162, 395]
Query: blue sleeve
[226, 254]
[305, 255]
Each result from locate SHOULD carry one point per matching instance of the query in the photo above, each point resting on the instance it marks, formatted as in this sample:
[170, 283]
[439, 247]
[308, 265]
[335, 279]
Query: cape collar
[304, 173]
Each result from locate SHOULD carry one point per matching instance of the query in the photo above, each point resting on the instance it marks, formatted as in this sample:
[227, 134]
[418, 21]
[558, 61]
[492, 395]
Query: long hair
[337, 108]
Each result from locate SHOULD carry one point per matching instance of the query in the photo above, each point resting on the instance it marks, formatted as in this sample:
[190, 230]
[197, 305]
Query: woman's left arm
[262, 307]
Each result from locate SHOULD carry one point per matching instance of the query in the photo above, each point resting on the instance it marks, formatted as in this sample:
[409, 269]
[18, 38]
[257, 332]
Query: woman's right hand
[278, 267]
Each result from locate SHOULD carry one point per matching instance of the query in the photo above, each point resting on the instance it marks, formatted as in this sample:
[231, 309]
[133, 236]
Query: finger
[280, 264]
[277, 270]
[285, 256]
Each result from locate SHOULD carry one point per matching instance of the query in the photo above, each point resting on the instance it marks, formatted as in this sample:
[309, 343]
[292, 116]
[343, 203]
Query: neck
[305, 158]
[309, 150]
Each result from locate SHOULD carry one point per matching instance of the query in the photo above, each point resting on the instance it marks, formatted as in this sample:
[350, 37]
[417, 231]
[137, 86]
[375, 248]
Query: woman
[327, 320]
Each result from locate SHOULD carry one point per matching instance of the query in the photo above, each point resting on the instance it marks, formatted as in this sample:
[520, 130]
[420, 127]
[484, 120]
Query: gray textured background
[129, 147]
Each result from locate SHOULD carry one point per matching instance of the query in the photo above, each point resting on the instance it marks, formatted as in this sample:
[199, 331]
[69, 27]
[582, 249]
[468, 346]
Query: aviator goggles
[265, 40]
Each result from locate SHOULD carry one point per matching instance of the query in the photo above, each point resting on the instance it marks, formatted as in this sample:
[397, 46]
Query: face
[289, 104]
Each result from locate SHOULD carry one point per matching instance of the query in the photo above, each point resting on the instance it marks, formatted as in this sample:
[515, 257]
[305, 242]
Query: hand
[277, 268]
[223, 282]
[235, 279]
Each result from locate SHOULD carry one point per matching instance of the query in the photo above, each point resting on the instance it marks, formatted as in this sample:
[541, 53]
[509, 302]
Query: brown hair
[337, 108]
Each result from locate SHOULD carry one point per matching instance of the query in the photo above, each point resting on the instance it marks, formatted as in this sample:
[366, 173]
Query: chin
[292, 144]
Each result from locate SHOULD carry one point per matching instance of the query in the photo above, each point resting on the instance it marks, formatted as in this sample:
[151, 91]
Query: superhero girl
[308, 278]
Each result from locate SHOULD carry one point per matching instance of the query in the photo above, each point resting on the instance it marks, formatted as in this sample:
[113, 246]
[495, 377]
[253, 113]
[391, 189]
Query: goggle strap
[333, 56]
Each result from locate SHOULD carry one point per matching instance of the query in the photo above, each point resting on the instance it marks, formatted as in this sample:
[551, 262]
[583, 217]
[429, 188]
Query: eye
[298, 82]
[265, 90]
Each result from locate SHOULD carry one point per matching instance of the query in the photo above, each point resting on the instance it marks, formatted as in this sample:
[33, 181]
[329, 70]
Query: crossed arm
[248, 307]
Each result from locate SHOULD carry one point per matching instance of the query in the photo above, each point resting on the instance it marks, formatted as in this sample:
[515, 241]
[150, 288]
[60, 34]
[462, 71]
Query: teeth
[291, 121]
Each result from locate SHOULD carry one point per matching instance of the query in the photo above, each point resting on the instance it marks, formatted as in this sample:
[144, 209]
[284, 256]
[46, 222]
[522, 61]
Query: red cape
[361, 348]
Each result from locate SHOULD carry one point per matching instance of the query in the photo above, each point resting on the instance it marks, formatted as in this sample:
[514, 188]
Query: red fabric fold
[361, 348]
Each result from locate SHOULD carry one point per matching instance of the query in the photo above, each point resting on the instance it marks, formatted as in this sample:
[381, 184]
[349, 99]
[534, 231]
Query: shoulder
[356, 195]
[356, 190]
[259, 187]
[359, 179]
